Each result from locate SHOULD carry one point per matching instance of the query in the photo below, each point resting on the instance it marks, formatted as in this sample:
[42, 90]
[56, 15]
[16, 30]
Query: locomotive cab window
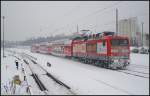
[119, 42]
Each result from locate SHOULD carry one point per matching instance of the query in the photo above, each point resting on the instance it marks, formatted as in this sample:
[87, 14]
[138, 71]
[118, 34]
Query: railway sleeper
[25, 61]
[39, 83]
[30, 56]
[57, 81]
[33, 61]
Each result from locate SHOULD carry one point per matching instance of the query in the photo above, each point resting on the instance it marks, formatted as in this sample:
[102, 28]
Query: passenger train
[105, 49]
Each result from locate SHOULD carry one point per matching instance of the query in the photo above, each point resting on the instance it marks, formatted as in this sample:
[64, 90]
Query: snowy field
[83, 79]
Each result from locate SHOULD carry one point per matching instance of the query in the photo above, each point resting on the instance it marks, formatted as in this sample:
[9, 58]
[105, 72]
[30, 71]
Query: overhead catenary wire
[71, 24]
[85, 17]
[93, 13]
[100, 10]
[68, 13]
[110, 23]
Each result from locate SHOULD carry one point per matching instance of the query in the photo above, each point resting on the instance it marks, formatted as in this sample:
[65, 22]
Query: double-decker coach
[104, 49]
[35, 48]
[62, 48]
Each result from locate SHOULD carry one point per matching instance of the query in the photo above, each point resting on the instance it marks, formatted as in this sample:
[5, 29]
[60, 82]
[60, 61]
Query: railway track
[37, 80]
[34, 75]
[114, 87]
[15, 57]
[140, 66]
[129, 73]
[47, 74]
[137, 71]
[51, 76]
[29, 56]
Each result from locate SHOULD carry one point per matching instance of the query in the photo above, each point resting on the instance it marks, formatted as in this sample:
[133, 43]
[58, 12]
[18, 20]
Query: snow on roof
[63, 41]
[35, 44]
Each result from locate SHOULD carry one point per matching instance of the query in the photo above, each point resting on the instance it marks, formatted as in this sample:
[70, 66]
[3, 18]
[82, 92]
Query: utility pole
[142, 34]
[96, 22]
[3, 36]
[116, 21]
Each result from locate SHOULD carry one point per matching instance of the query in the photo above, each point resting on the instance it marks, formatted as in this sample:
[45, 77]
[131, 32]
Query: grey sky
[26, 19]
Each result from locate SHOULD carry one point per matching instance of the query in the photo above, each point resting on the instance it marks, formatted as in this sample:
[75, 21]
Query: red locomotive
[103, 49]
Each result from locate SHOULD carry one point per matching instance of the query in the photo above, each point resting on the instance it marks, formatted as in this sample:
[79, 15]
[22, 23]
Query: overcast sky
[27, 19]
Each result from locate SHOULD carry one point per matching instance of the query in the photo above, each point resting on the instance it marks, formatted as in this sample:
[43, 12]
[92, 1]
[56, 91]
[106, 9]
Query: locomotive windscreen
[119, 42]
[109, 33]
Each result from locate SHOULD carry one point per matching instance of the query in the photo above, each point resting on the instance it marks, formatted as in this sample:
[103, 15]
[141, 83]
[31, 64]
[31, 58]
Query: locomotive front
[119, 52]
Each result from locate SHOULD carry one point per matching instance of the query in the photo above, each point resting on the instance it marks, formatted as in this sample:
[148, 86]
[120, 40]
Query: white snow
[87, 79]
[8, 71]
[140, 59]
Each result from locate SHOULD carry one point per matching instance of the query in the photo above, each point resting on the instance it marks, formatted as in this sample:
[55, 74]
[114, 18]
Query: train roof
[63, 42]
[101, 35]
[117, 37]
[35, 44]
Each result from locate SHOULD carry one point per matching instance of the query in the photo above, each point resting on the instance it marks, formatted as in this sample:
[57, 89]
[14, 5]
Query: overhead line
[100, 10]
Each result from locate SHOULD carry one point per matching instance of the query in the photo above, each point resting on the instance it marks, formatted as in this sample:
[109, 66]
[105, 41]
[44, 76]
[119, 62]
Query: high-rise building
[129, 27]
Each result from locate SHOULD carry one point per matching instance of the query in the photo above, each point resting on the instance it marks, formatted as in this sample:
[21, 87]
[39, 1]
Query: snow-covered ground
[8, 71]
[87, 79]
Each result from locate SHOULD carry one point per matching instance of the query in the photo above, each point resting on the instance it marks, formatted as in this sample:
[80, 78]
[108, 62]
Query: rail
[37, 80]
[133, 74]
[51, 76]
